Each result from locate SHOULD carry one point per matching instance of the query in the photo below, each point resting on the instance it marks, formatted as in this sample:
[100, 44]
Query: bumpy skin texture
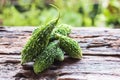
[70, 46]
[38, 41]
[62, 29]
[46, 58]
[36, 29]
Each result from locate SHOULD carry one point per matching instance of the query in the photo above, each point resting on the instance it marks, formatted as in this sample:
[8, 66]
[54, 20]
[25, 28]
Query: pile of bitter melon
[49, 43]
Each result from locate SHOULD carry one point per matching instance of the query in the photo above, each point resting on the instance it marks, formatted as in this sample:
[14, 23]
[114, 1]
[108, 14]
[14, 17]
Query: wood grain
[101, 50]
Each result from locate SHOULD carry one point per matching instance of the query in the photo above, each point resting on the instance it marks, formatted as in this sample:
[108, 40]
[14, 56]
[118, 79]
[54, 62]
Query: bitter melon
[60, 54]
[38, 41]
[70, 46]
[62, 29]
[36, 29]
[47, 57]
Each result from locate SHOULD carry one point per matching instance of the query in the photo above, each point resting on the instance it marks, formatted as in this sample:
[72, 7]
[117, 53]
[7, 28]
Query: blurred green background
[78, 13]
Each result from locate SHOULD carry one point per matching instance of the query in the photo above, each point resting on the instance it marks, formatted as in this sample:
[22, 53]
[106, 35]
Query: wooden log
[91, 66]
[101, 50]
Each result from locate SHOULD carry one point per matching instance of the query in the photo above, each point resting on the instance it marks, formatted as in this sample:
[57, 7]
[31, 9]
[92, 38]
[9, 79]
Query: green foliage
[73, 12]
[112, 13]
[72, 18]
[13, 17]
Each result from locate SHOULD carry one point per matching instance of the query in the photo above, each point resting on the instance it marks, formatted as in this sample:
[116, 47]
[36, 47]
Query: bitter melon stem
[58, 12]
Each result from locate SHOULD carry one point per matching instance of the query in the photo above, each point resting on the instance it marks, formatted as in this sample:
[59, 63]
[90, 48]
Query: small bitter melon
[38, 41]
[62, 29]
[60, 54]
[70, 46]
[47, 57]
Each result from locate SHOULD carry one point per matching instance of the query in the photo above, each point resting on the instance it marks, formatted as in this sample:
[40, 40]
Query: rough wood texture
[101, 49]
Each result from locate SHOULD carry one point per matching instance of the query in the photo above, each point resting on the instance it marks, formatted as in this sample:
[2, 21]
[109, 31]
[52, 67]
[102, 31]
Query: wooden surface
[101, 60]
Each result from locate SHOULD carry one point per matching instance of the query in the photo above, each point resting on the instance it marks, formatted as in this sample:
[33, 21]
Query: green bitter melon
[62, 29]
[60, 54]
[38, 41]
[70, 46]
[47, 57]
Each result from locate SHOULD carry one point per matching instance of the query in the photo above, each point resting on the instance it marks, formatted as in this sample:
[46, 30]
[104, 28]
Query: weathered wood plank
[97, 41]
[89, 66]
[101, 49]
[9, 59]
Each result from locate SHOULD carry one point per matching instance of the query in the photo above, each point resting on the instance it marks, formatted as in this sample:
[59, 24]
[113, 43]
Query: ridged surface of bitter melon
[62, 29]
[38, 41]
[70, 46]
[47, 57]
